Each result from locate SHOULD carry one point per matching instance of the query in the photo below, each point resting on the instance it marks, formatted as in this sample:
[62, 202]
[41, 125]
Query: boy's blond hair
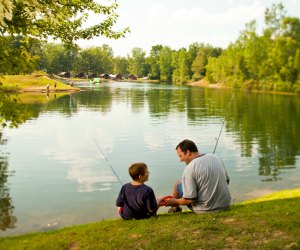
[137, 169]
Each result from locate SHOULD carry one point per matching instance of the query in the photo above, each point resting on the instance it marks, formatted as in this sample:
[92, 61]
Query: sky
[178, 23]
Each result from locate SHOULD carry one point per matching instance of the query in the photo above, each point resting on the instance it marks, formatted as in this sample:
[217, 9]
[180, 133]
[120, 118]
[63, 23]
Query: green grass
[270, 222]
[34, 83]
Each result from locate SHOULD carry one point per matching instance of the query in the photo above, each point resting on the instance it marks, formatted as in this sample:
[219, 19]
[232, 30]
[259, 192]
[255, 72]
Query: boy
[137, 200]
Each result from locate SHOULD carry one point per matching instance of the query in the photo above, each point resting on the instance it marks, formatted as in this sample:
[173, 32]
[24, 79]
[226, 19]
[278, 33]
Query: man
[204, 182]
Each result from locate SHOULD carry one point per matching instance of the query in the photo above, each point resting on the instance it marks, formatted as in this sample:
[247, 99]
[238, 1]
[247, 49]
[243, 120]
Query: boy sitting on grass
[137, 200]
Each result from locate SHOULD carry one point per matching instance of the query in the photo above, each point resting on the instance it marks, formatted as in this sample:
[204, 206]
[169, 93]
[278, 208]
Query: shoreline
[38, 84]
[205, 84]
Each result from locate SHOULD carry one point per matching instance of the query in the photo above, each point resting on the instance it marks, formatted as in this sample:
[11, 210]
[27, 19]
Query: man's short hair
[137, 169]
[187, 145]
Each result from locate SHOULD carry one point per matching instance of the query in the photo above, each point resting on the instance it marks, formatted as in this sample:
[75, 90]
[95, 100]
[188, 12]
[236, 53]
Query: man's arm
[177, 202]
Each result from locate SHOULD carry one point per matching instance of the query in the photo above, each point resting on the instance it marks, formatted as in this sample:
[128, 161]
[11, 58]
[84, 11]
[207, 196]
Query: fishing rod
[224, 121]
[107, 161]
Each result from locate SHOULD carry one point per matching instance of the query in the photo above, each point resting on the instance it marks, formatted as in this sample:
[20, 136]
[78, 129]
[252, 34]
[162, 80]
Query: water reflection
[259, 120]
[268, 122]
[7, 217]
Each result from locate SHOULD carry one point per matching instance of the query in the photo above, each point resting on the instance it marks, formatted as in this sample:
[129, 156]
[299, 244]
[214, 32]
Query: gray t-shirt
[205, 180]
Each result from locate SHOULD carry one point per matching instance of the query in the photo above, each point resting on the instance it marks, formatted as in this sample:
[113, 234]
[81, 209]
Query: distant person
[48, 87]
[137, 200]
[204, 185]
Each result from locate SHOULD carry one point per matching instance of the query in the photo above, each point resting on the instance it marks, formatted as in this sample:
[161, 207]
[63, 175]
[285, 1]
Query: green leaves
[15, 54]
[270, 59]
[64, 20]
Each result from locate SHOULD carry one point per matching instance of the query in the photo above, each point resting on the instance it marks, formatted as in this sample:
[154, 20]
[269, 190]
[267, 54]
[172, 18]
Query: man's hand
[162, 200]
[171, 202]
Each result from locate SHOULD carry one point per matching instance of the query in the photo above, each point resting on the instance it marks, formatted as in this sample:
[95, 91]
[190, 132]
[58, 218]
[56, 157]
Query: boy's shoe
[175, 210]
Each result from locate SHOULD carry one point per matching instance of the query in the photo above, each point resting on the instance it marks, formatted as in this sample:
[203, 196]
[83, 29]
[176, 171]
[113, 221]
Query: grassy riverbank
[270, 222]
[33, 83]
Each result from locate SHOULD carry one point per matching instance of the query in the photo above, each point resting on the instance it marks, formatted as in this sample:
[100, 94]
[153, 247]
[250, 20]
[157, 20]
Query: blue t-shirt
[137, 201]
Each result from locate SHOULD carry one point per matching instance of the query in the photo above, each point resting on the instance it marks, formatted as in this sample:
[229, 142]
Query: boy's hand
[159, 200]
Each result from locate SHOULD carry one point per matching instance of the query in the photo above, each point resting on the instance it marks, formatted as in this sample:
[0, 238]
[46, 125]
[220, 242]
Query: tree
[291, 32]
[285, 43]
[107, 62]
[273, 18]
[18, 54]
[255, 49]
[153, 61]
[136, 61]
[191, 56]
[96, 60]
[89, 61]
[297, 64]
[165, 64]
[145, 70]
[198, 65]
[180, 65]
[198, 55]
[227, 67]
[63, 20]
[269, 61]
[56, 58]
[120, 65]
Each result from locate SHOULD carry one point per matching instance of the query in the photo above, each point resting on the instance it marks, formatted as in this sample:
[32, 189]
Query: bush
[197, 77]
[251, 85]
[296, 87]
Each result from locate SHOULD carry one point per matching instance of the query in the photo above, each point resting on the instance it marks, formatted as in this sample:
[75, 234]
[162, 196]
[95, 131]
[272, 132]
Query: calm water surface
[53, 174]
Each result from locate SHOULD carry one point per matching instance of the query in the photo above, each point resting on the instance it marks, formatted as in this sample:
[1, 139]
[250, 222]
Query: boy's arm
[119, 202]
[152, 203]
[120, 199]
[158, 201]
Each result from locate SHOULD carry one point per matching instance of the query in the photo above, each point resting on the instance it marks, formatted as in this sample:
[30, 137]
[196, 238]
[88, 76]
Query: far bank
[39, 83]
[205, 84]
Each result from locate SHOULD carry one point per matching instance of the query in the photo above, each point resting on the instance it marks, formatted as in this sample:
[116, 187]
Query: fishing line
[107, 161]
[224, 121]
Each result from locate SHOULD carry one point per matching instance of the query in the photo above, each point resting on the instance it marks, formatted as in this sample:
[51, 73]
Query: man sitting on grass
[204, 182]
